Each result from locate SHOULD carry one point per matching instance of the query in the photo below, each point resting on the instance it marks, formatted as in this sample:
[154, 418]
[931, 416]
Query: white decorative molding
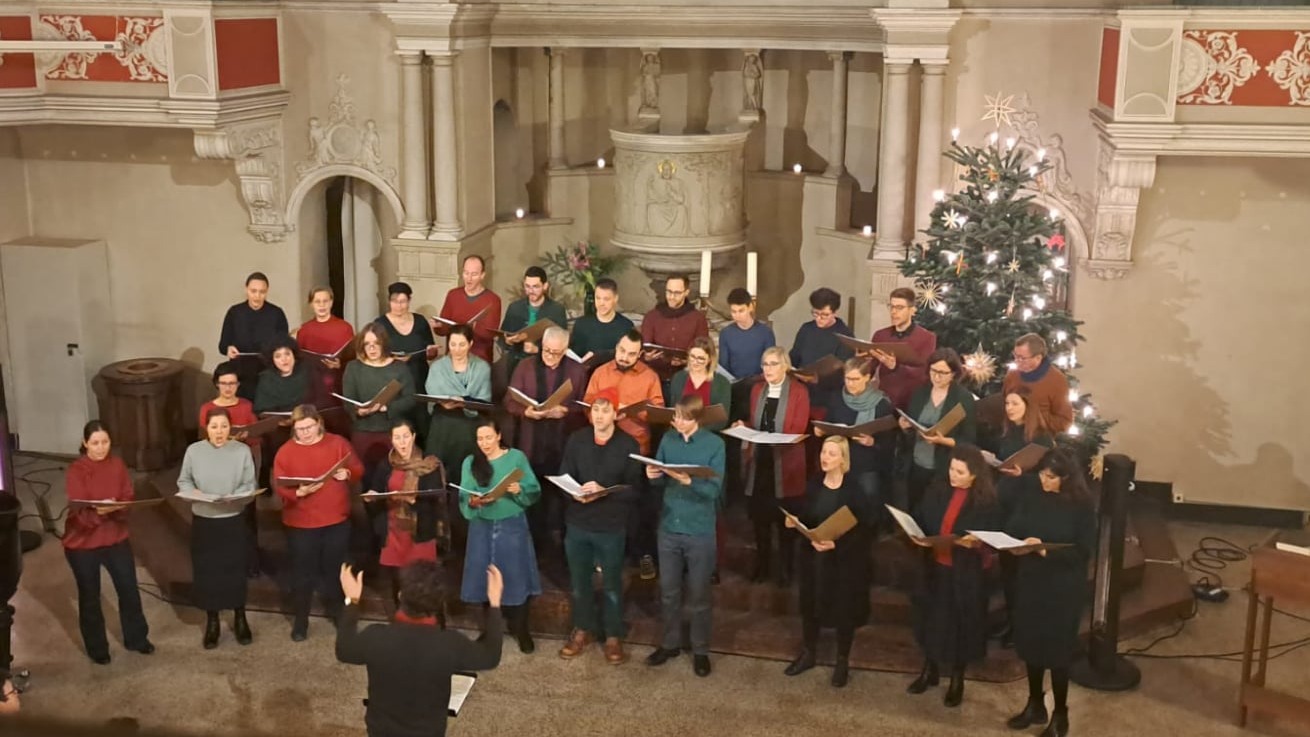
[341, 140]
[144, 51]
[1121, 177]
[256, 149]
[1057, 184]
[302, 188]
[1211, 65]
[1291, 70]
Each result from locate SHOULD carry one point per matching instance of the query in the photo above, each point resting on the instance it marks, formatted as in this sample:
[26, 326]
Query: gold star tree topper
[998, 109]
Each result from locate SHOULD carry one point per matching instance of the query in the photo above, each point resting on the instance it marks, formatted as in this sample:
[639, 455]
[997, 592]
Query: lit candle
[706, 259]
[1009, 143]
[796, 168]
[1059, 262]
[991, 288]
[600, 163]
[1055, 214]
[938, 195]
[955, 134]
[519, 213]
[994, 137]
[868, 231]
[992, 196]
[1027, 313]
[1041, 154]
[752, 269]
[1073, 395]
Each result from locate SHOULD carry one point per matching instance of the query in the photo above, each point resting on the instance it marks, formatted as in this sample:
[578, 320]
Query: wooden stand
[1286, 577]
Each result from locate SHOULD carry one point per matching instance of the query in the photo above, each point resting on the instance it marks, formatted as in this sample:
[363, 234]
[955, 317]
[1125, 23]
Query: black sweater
[607, 465]
[409, 670]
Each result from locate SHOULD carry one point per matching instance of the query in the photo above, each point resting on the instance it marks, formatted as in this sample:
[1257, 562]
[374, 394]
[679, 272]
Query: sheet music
[461, 685]
[906, 522]
[997, 540]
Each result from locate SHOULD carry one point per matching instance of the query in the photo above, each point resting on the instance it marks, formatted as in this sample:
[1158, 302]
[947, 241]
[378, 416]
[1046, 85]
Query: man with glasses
[469, 301]
[818, 338]
[673, 323]
[633, 382]
[541, 433]
[535, 305]
[899, 378]
[1048, 387]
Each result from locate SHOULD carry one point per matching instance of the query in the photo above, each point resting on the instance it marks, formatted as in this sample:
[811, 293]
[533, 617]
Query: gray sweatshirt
[218, 472]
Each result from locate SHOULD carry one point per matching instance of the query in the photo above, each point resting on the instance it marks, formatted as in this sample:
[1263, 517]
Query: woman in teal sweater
[931, 453]
[498, 530]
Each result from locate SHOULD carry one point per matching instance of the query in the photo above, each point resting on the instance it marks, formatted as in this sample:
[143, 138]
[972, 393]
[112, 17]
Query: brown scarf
[414, 469]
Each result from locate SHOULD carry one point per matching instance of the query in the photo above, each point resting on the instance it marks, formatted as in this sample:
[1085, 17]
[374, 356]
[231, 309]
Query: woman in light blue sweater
[220, 471]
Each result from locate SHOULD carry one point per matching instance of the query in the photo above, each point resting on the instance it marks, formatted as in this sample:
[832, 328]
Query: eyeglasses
[306, 428]
[698, 357]
[897, 308]
[674, 292]
[822, 314]
[552, 351]
[1018, 357]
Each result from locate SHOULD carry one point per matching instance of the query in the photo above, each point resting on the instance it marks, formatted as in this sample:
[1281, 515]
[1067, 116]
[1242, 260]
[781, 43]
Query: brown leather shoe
[578, 642]
[614, 654]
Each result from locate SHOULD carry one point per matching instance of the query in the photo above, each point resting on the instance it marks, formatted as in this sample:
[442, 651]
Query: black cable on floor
[1214, 554]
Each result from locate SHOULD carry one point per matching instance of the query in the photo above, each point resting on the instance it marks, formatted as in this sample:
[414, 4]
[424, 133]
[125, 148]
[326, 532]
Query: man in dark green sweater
[594, 336]
[686, 534]
[599, 457]
[410, 661]
[535, 305]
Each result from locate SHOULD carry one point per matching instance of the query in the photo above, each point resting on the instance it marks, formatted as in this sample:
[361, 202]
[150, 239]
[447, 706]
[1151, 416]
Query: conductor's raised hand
[495, 585]
[352, 584]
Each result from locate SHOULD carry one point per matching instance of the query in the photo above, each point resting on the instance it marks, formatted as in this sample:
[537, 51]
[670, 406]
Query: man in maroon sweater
[673, 323]
[469, 301]
[1048, 386]
[899, 378]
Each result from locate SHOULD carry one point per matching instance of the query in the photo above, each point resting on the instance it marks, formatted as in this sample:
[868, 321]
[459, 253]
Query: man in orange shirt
[635, 383]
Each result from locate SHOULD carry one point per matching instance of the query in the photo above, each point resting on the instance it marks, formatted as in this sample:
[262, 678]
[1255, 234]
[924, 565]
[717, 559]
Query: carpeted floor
[278, 687]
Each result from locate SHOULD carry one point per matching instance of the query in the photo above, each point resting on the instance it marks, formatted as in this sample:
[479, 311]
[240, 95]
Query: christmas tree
[993, 268]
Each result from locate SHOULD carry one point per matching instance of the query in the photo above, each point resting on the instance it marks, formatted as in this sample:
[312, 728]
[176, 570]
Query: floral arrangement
[579, 266]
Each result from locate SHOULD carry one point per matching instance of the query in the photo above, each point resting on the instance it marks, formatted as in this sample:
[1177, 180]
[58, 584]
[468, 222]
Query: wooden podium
[1286, 577]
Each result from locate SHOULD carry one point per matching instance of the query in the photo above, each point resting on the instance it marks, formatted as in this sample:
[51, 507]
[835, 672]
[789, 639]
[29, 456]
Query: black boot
[518, 624]
[1059, 726]
[927, 677]
[955, 692]
[241, 628]
[1034, 712]
[211, 630]
[760, 573]
[841, 673]
[802, 663]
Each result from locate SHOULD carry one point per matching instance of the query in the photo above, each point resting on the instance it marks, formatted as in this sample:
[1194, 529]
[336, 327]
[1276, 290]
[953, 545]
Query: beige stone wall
[13, 220]
[1199, 351]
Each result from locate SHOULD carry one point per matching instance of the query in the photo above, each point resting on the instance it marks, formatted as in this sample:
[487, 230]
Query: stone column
[837, 133]
[445, 155]
[893, 161]
[557, 157]
[929, 170]
[414, 185]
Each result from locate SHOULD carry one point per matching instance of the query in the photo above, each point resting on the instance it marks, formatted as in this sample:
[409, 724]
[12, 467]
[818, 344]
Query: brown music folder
[335, 354]
[499, 490]
[533, 332]
[882, 424]
[463, 402]
[554, 400]
[830, 530]
[668, 351]
[821, 369]
[1025, 459]
[711, 415]
[944, 426]
[259, 428]
[298, 480]
[115, 503]
[387, 393]
[692, 470]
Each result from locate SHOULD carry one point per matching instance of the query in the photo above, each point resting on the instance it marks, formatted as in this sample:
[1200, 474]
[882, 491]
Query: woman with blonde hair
[834, 576]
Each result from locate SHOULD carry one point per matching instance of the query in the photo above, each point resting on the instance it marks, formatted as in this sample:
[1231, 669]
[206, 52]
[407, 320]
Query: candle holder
[704, 304]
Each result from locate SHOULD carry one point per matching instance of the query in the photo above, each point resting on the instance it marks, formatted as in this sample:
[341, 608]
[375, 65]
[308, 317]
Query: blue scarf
[865, 405]
[1037, 373]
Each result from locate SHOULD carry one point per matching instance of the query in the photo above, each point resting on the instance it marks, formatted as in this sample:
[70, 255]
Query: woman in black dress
[834, 576]
[1023, 425]
[950, 605]
[1051, 585]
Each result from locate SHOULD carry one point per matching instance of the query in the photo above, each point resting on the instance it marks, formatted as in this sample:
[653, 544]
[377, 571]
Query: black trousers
[316, 557]
[118, 560]
[916, 484]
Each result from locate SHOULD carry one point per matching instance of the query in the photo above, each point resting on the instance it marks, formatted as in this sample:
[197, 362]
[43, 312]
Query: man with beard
[673, 323]
[633, 383]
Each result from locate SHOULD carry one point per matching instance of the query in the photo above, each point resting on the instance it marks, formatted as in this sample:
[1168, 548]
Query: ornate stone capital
[256, 149]
[1121, 177]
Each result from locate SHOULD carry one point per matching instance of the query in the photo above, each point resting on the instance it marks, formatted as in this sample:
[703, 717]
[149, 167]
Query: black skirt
[220, 548]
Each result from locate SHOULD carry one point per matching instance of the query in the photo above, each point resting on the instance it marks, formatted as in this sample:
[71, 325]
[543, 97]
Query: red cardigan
[797, 420]
[85, 529]
[325, 337]
[329, 505]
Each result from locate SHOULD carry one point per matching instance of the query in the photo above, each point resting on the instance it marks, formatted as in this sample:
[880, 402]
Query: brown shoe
[578, 641]
[614, 654]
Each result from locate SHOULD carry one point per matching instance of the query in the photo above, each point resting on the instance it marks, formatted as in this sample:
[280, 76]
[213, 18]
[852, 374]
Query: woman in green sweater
[373, 369]
[285, 384]
[701, 378]
[498, 530]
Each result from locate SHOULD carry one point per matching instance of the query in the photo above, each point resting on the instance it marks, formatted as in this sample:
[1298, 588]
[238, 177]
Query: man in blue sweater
[686, 534]
[742, 343]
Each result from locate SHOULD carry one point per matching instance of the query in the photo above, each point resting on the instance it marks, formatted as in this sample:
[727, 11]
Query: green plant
[580, 265]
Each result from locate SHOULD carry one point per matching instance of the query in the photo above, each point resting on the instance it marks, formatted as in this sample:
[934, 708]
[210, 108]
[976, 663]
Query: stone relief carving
[256, 148]
[1057, 180]
[650, 82]
[341, 140]
[1120, 180]
[752, 82]
[666, 201]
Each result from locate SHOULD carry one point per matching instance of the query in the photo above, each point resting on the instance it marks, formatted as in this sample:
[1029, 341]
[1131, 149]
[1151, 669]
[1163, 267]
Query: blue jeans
[695, 555]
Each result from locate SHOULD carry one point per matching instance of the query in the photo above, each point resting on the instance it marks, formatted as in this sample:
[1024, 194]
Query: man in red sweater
[899, 378]
[673, 323]
[1048, 386]
[464, 303]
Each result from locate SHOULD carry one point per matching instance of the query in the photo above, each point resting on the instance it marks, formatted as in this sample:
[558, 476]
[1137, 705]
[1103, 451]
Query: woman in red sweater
[775, 474]
[316, 515]
[326, 340]
[96, 536]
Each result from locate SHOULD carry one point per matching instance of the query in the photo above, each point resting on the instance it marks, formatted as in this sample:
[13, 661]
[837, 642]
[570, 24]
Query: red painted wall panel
[248, 53]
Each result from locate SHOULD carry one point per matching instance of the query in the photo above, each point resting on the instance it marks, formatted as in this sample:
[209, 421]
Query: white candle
[955, 133]
[796, 168]
[868, 231]
[600, 163]
[519, 213]
[993, 138]
[752, 269]
[706, 259]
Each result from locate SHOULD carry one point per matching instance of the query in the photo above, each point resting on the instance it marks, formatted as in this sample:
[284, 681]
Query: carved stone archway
[323, 173]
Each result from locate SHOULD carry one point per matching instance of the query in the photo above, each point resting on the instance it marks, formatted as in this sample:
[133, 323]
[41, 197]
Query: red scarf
[958, 497]
[402, 618]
